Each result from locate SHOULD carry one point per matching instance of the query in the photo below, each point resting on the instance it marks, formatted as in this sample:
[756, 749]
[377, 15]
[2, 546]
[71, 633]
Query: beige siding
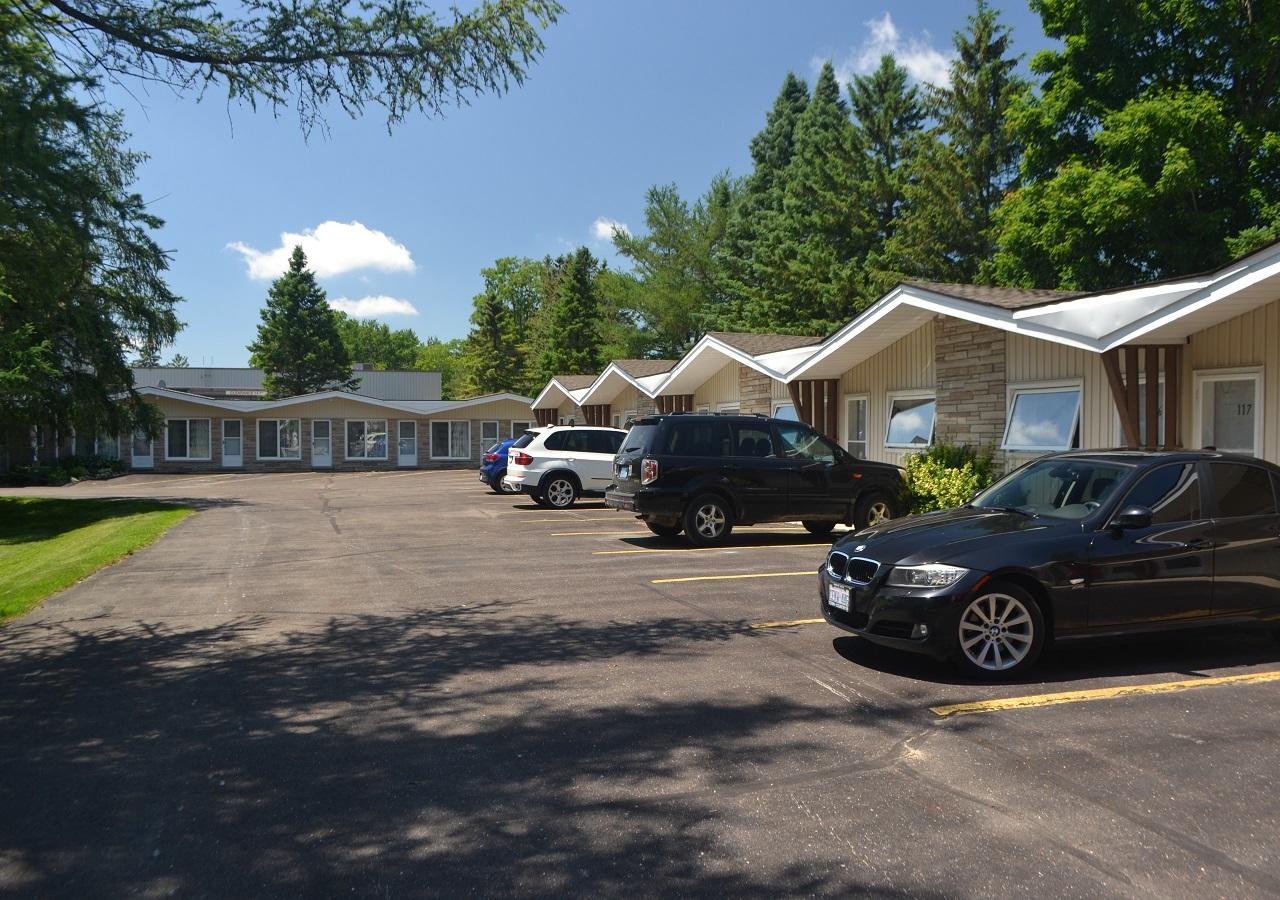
[1251, 340]
[719, 389]
[906, 364]
[778, 390]
[1030, 361]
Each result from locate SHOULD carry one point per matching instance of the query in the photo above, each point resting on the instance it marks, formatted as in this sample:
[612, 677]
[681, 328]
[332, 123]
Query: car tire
[559, 491]
[818, 527]
[664, 531]
[1000, 622]
[708, 520]
[503, 487]
[872, 508]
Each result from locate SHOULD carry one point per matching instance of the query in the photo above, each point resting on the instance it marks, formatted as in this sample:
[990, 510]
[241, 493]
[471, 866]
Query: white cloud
[332, 248]
[602, 228]
[917, 55]
[374, 307]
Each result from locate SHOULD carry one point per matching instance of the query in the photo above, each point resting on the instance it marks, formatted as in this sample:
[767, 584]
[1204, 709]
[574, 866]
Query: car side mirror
[1132, 517]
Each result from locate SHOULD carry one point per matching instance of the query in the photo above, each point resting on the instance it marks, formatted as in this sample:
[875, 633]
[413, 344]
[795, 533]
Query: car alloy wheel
[560, 493]
[997, 632]
[709, 521]
[505, 486]
[878, 513]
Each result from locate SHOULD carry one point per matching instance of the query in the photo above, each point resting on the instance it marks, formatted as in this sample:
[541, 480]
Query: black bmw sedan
[1071, 545]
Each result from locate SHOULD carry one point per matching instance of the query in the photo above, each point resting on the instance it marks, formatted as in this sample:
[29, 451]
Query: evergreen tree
[298, 346]
[571, 344]
[756, 211]
[961, 170]
[178, 361]
[490, 348]
[812, 261]
[887, 114]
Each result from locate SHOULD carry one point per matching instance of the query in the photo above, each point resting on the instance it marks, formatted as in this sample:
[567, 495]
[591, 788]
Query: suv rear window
[697, 438]
[640, 437]
[524, 440]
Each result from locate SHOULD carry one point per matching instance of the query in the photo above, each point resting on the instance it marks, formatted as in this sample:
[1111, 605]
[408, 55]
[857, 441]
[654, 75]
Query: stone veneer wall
[969, 365]
[755, 391]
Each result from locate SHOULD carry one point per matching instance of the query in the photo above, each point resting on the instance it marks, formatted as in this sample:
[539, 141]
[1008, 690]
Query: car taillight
[521, 459]
[491, 457]
[648, 471]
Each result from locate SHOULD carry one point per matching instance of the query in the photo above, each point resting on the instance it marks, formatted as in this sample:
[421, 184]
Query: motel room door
[321, 443]
[142, 453]
[232, 443]
[407, 445]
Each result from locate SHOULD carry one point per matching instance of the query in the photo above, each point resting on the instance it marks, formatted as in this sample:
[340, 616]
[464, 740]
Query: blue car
[493, 467]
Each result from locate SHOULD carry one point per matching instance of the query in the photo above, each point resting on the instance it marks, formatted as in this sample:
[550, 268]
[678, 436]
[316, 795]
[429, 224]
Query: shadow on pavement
[354, 758]
[1177, 655]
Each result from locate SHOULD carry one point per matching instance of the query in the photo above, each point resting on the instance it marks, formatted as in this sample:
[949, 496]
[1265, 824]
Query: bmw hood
[944, 536]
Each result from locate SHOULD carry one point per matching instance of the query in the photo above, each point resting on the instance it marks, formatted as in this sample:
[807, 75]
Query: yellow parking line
[730, 578]
[1034, 700]
[708, 549]
[790, 623]
[637, 533]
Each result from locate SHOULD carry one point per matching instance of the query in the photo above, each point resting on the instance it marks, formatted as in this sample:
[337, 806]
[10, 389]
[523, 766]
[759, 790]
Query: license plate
[624, 472]
[838, 597]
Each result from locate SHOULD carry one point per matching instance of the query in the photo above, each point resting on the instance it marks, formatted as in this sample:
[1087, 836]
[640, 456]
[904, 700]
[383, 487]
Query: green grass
[47, 545]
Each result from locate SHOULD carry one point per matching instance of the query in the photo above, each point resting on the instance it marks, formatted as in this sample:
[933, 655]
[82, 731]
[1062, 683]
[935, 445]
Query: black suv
[703, 474]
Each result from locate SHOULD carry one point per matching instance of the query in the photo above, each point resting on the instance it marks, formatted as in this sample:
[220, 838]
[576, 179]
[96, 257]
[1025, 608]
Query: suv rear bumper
[660, 506]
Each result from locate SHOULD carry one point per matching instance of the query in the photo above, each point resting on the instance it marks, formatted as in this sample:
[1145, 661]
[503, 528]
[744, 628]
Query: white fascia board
[649, 384]
[168, 394]
[552, 384]
[447, 405]
[612, 370]
[711, 344]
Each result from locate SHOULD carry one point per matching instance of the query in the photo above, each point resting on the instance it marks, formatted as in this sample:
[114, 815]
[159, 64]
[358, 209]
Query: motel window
[855, 426]
[1043, 418]
[627, 417]
[617, 420]
[518, 428]
[1228, 411]
[911, 418]
[728, 409]
[279, 439]
[187, 439]
[451, 440]
[366, 439]
[488, 434]
[786, 411]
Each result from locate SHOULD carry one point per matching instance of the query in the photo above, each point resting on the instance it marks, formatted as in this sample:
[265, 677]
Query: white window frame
[450, 423]
[617, 420]
[866, 438]
[1200, 377]
[735, 408]
[524, 424]
[346, 444]
[917, 394]
[704, 409]
[188, 421]
[1040, 387]
[257, 440]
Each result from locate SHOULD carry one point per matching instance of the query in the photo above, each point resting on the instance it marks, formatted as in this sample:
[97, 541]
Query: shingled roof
[757, 344]
[1004, 298]
[576, 382]
[642, 368]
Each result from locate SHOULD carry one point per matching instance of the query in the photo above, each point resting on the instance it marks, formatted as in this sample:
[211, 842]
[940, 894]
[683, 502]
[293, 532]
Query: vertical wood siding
[906, 364]
[1029, 360]
[719, 388]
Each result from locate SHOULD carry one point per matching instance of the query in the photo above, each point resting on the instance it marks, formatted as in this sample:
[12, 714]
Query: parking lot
[399, 683]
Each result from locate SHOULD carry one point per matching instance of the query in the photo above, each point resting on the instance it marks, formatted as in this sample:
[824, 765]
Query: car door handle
[1199, 544]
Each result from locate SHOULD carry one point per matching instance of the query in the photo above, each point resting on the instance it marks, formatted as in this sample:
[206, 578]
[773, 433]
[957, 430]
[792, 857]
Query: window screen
[1240, 490]
[1172, 493]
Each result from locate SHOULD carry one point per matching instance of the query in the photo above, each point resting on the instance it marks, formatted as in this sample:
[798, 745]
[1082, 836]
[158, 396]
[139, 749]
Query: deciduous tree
[373, 342]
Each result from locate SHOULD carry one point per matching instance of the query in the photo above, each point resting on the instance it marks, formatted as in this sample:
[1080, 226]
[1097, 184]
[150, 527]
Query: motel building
[219, 420]
[1187, 362]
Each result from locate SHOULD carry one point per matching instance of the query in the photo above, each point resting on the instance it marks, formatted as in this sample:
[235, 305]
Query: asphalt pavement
[399, 684]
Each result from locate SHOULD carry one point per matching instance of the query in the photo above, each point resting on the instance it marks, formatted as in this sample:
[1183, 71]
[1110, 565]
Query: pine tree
[298, 346]
[962, 170]
[571, 342]
[757, 210]
[887, 113]
[812, 261]
[490, 346]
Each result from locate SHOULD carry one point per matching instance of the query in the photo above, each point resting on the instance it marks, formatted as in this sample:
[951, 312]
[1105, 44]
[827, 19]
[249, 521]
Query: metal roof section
[417, 407]
[642, 374]
[247, 382]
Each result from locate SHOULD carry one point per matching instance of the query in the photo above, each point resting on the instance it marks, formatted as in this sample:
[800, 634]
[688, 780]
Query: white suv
[564, 462]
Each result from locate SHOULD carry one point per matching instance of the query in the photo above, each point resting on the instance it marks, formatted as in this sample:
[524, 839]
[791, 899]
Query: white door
[591, 455]
[143, 457]
[407, 443]
[232, 443]
[321, 443]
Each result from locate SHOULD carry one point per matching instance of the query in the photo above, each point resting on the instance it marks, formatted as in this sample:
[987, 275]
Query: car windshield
[1060, 488]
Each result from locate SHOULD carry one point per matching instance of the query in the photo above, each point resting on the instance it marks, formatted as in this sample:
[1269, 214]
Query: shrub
[946, 476]
[57, 475]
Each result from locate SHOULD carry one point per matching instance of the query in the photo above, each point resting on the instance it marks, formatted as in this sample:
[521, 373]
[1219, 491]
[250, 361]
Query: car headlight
[933, 575]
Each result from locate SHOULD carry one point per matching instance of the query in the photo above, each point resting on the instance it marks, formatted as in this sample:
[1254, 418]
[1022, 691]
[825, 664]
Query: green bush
[57, 475]
[946, 476]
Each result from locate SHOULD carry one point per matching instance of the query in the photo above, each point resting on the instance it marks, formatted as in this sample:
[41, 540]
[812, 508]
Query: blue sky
[628, 95]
